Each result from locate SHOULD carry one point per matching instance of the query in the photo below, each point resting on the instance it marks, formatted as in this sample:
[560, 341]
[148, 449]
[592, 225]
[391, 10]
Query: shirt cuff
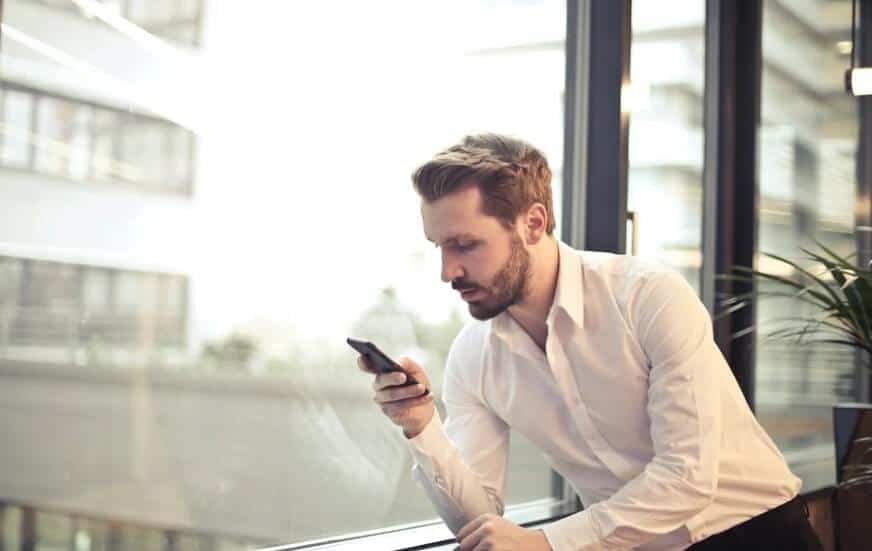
[430, 444]
[575, 532]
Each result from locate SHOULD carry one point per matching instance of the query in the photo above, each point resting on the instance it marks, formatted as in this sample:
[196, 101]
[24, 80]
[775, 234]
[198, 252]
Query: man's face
[482, 259]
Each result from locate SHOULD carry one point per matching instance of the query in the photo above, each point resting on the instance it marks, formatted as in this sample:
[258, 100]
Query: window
[63, 147]
[79, 141]
[218, 370]
[807, 189]
[177, 21]
[141, 148]
[95, 290]
[105, 163]
[65, 310]
[664, 182]
[17, 128]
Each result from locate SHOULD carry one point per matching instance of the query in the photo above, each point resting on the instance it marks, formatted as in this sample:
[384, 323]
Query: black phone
[380, 360]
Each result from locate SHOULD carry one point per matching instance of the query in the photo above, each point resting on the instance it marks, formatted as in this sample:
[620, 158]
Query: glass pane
[50, 148]
[303, 230]
[127, 291]
[807, 189]
[10, 284]
[106, 165]
[180, 158]
[664, 181]
[63, 142]
[187, 9]
[79, 135]
[182, 33]
[49, 305]
[174, 294]
[142, 151]
[149, 11]
[17, 116]
[95, 291]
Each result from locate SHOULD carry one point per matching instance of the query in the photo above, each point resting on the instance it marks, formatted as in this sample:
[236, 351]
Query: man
[605, 362]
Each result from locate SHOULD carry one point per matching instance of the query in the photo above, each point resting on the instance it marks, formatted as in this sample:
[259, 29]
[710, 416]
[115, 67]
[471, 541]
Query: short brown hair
[511, 175]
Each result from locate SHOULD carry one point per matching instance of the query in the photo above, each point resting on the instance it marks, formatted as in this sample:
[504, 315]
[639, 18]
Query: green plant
[839, 299]
[838, 302]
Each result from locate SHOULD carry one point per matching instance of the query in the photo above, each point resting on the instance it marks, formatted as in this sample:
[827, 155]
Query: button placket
[582, 418]
[562, 372]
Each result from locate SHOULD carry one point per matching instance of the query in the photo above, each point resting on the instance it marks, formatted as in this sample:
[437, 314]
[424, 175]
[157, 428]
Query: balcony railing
[27, 527]
[76, 327]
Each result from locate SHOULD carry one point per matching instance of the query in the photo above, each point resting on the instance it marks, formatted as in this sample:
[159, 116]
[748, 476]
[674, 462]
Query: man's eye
[465, 247]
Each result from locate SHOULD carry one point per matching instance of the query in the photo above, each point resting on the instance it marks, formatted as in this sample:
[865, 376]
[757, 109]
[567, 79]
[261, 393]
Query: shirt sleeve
[675, 331]
[461, 465]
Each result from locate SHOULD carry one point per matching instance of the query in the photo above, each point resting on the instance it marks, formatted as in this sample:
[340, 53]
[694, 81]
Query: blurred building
[96, 184]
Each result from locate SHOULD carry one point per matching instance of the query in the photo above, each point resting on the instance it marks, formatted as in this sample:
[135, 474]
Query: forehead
[456, 214]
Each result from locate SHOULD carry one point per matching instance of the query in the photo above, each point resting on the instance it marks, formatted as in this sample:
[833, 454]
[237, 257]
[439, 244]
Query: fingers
[387, 380]
[471, 534]
[384, 380]
[398, 393]
[471, 526]
[415, 371]
[394, 409]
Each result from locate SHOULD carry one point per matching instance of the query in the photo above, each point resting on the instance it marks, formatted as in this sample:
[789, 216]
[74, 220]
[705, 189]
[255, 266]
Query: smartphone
[380, 360]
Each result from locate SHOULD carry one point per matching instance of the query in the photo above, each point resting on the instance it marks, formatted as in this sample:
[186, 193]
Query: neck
[532, 312]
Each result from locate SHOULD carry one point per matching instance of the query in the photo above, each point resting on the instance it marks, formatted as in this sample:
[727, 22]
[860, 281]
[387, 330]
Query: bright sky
[317, 118]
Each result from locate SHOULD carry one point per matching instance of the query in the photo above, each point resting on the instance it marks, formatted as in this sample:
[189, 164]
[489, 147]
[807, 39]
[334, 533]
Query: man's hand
[494, 533]
[410, 407]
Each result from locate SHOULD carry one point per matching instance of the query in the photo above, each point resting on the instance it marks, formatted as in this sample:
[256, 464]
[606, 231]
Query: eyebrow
[455, 238]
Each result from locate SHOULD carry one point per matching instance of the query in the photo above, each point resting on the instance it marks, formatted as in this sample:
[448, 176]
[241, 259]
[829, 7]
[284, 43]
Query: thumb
[412, 368]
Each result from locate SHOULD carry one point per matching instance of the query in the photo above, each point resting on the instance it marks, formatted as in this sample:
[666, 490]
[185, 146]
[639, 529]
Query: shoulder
[625, 275]
[469, 343]
[637, 287]
[463, 366]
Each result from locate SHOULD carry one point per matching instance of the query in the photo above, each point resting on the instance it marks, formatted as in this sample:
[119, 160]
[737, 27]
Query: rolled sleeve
[461, 464]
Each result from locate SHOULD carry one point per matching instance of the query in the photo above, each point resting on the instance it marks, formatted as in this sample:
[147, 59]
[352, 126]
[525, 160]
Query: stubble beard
[509, 286]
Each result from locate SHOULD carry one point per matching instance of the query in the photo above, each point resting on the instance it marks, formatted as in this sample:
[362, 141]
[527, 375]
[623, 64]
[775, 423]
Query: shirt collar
[568, 295]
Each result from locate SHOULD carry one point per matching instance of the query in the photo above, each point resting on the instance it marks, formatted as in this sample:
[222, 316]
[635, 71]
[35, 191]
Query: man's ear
[535, 223]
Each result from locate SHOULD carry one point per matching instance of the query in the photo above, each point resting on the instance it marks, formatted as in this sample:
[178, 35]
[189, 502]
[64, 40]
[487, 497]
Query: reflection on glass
[666, 149]
[807, 155]
[192, 352]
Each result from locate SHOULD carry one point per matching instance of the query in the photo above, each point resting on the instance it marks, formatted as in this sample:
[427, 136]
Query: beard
[509, 285]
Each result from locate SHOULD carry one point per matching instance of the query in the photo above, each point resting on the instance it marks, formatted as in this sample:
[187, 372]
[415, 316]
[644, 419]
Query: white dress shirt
[631, 402]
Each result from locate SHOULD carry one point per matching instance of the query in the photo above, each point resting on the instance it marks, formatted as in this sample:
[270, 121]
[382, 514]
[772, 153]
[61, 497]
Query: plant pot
[853, 502]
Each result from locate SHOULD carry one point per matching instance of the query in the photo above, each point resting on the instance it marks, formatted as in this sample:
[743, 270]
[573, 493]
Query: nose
[451, 269]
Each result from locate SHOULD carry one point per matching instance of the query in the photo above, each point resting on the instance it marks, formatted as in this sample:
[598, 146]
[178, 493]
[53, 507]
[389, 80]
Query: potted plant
[838, 302]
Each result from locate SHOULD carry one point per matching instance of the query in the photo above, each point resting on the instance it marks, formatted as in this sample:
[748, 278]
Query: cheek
[483, 269]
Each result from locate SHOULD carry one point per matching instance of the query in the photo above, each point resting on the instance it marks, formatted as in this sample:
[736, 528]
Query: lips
[468, 293]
